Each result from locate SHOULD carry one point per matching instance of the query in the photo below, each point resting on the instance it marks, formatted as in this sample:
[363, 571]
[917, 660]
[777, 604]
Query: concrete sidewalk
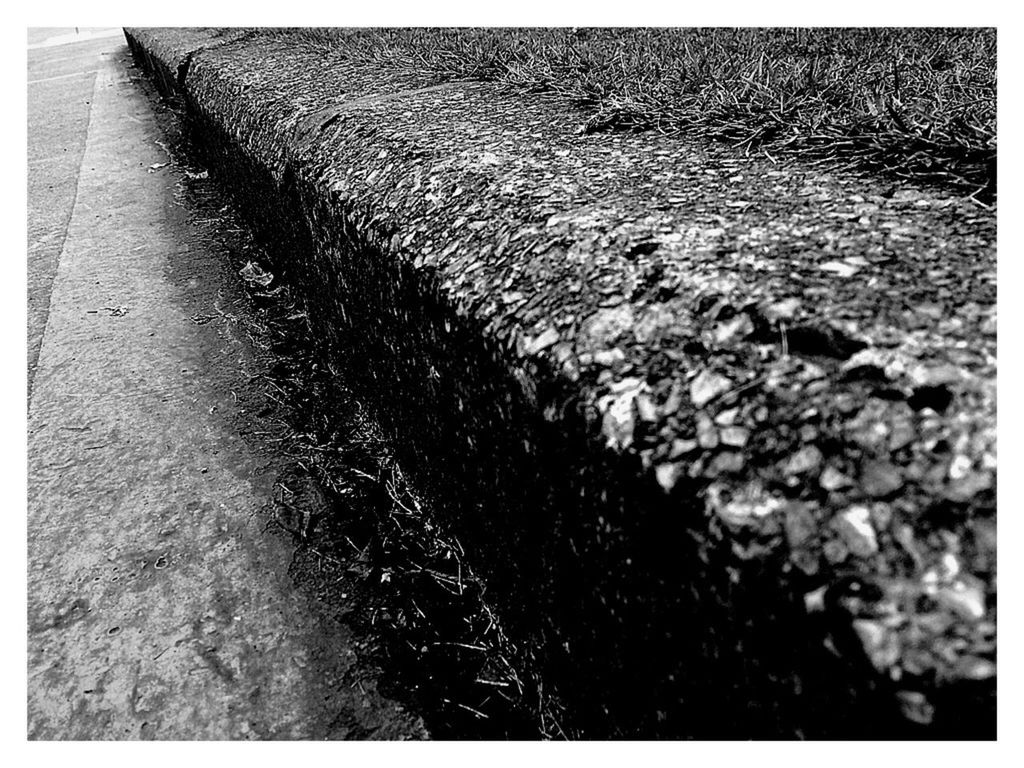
[157, 606]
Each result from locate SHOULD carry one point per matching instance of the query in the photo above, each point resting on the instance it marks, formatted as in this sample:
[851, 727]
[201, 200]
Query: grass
[917, 103]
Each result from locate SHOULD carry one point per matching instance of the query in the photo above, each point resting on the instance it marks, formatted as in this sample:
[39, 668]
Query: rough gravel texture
[720, 431]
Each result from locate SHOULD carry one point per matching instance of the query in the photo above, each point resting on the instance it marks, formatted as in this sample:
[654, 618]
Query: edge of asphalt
[558, 329]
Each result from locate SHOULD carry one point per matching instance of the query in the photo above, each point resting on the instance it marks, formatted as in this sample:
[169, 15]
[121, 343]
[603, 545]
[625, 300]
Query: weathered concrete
[59, 97]
[720, 431]
[158, 608]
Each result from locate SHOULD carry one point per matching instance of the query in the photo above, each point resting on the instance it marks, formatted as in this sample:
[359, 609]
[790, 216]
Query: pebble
[835, 551]
[854, 526]
[619, 420]
[746, 508]
[783, 310]
[727, 461]
[727, 417]
[959, 467]
[840, 268]
[645, 407]
[966, 597]
[800, 524]
[881, 515]
[915, 706]
[668, 475]
[832, 479]
[735, 436]
[609, 357]
[539, 343]
[902, 431]
[681, 447]
[969, 486]
[707, 386]
[707, 435]
[881, 646]
[975, 668]
[806, 459]
[932, 376]
[880, 479]
[732, 330]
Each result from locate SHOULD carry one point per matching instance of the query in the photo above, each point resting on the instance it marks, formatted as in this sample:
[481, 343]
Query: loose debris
[253, 273]
[354, 517]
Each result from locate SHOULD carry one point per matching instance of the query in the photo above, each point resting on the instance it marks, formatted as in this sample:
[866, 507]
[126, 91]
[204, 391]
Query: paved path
[156, 606]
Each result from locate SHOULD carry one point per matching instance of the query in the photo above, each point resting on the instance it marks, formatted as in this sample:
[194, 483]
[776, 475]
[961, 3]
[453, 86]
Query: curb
[571, 336]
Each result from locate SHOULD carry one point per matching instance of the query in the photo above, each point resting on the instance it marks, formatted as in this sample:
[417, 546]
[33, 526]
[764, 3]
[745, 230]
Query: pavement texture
[719, 431]
[158, 606]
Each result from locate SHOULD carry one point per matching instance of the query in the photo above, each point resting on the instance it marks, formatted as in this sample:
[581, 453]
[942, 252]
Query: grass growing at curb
[917, 103]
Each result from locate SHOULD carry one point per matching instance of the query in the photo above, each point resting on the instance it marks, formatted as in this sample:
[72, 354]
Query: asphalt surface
[158, 608]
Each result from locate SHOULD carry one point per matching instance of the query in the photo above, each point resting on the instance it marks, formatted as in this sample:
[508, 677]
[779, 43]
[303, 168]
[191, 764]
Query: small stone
[735, 436]
[668, 475]
[645, 408]
[806, 459]
[870, 428]
[880, 479]
[854, 526]
[707, 386]
[965, 597]
[814, 601]
[619, 420]
[832, 479]
[840, 268]
[969, 486]
[609, 357]
[812, 371]
[743, 508]
[782, 310]
[835, 551]
[901, 430]
[806, 561]
[606, 325]
[674, 399]
[959, 467]
[915, 706]
[935, 375]
[727, 417]
[707, 435]
[881, 515]
[800, 524]
[725, 462]
[681, 447]
[880, 645]
[975, 668]
[539, 343]
[868, 358]
[733, 330]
